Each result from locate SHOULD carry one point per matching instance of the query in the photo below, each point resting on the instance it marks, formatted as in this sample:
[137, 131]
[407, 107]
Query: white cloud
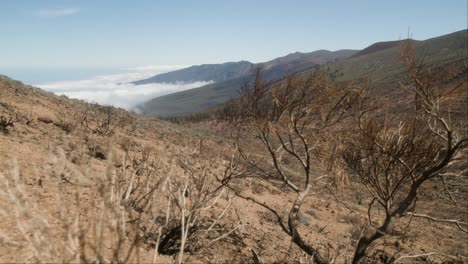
[157, 68]
[117, 89]
[57, 12]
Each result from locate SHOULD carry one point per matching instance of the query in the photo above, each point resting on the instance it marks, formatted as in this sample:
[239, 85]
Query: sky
[52, 41]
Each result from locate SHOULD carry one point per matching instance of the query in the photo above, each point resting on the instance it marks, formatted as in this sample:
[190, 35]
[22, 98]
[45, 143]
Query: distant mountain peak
[382, 45]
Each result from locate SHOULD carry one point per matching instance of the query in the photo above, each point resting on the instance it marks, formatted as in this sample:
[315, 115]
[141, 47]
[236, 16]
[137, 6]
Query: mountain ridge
[381, 64]
[378, 46]
[186, 102]
[203, 72]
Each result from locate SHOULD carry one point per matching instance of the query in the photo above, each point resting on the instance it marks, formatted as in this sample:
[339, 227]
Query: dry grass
[146, 190]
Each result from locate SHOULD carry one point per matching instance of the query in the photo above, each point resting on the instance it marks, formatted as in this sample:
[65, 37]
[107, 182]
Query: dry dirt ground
[55, 187]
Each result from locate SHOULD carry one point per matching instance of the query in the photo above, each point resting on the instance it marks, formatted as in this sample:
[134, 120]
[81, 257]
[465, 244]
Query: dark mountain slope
[186, 102]
[379, 62]
[193, 100]
[378, 47]
[385, 65]
[205, 72]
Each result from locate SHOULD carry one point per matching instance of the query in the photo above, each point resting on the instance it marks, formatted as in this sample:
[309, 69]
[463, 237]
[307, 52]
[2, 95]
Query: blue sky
[94, 49]
[114, 34]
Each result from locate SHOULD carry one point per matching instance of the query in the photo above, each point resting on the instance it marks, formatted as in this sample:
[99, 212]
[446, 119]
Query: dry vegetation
[307, 171]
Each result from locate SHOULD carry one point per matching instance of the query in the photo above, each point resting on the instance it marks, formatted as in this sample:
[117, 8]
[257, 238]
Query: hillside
[197, 99]
[85, 182]
[64, 161]
[378, 47]
[380, 62]
[205, 72]
[233, 132]
[295, 62]
[384, 66]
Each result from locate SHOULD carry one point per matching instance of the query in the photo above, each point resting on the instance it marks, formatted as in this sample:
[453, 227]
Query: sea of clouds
[117, 89]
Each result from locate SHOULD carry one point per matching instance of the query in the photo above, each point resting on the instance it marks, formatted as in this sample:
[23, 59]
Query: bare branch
[453, 221]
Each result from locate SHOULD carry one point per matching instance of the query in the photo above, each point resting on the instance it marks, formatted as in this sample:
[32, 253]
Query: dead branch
[453, 221]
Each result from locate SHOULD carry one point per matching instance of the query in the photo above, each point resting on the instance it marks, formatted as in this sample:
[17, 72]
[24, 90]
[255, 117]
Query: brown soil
[54, 166]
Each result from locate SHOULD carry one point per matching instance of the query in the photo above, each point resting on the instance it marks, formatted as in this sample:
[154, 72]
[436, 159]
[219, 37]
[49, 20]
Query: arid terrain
[80, 182]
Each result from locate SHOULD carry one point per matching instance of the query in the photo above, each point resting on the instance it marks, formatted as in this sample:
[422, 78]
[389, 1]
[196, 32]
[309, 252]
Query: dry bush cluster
[298, 127]
[164, 204]
[292, 123]
[168, 205]
[91, 118]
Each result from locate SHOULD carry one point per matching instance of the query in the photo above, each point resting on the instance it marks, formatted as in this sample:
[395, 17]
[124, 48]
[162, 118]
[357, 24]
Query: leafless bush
[394, 156]
[174, 205]
[198, 206]
[106, 120]
[83, 117]
[95, 118]
[182, 203]
[293, 123]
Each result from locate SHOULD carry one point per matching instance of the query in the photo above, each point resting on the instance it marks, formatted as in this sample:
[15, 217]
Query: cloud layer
[117, 90]
[57, 12]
